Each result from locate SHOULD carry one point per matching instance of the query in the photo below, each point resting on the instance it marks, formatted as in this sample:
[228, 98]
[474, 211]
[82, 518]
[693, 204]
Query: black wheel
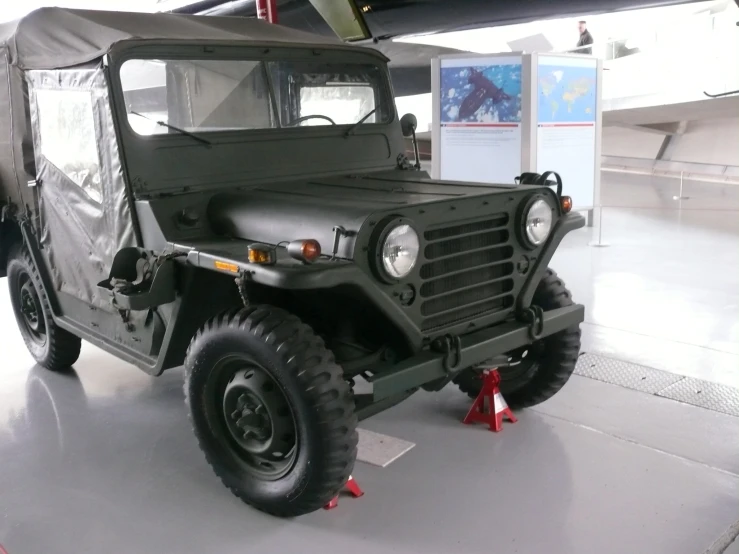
[52, 347]
[271, 410]
[537, 371]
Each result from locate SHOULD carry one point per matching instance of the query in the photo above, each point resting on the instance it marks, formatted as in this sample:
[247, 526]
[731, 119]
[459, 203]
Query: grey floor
[103, 460]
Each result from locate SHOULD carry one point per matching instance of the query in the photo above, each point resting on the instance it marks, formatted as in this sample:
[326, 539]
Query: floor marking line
[660, 338]
[632, 441]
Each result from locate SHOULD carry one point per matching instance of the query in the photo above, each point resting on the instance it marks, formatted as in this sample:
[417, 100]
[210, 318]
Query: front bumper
[475, 348]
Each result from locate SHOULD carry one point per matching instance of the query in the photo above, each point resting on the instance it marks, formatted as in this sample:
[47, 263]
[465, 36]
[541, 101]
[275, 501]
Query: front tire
[538, 370]
[271, 410]
[50, 345]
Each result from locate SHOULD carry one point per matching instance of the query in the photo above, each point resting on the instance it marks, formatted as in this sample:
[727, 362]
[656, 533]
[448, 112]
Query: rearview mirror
[408, 124]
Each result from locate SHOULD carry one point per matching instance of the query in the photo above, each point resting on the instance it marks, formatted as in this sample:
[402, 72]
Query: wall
[630, 143]
[710, 141]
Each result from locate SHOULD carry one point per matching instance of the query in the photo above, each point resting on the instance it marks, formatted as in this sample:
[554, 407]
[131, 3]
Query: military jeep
[235, 197]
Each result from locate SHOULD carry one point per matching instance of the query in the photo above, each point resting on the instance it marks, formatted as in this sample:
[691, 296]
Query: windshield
[199, 96]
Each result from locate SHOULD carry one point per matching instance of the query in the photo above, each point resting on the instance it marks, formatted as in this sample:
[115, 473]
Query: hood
[311, 209]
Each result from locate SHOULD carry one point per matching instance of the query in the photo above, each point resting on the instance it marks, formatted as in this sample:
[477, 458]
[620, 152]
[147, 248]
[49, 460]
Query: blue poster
[566, 94]
[481, 94]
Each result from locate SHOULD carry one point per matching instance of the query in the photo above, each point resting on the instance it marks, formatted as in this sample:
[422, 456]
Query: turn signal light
[566, 204]
[307, 250]
[261, 254]
[226, 266]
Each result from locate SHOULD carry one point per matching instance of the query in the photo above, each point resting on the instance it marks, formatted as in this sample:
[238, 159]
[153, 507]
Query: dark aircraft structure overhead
[374, 22]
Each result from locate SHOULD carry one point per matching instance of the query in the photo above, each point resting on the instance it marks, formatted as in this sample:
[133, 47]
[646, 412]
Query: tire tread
[321, 379]
[63, 347]
[563, 349]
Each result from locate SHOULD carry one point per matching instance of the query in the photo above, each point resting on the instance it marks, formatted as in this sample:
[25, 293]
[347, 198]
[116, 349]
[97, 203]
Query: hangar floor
[102, 459]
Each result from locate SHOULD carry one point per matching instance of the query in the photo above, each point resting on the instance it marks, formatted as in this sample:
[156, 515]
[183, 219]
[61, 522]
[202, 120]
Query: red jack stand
[497, 407]
[352, 487]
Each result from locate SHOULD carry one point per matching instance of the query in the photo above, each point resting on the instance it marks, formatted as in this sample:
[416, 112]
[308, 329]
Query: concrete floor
[103, 460]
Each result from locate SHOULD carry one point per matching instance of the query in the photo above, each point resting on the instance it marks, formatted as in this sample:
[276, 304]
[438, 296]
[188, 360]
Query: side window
[67, 135]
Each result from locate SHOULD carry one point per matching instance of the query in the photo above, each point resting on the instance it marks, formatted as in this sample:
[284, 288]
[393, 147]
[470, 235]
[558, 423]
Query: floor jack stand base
[497, 407]
[353, 489]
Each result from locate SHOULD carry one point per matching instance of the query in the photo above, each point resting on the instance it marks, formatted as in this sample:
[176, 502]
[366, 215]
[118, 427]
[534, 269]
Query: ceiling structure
[376, 23]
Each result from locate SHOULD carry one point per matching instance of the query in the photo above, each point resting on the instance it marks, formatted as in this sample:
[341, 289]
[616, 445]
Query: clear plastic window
[67, 129]
[195, 96]
[342, 103]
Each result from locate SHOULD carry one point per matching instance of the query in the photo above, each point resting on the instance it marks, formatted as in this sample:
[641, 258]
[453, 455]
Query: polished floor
[103, 460]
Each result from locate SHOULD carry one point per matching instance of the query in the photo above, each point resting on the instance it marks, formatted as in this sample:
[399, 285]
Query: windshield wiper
[181, 131]
[350, 130]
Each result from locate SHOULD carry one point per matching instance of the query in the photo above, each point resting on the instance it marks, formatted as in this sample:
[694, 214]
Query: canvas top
[51, 38]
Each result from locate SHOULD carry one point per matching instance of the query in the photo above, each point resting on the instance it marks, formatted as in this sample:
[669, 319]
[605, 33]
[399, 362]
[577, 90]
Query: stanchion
[600, 242]
[680, 196]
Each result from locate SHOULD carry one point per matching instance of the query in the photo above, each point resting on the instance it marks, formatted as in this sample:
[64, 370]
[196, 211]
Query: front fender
[290, 274]
[568, 223]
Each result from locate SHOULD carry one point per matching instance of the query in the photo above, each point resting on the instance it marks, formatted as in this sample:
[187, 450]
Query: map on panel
[566, 94]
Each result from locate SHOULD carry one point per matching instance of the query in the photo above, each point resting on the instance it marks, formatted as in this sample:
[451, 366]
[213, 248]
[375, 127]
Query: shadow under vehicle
[234, 197]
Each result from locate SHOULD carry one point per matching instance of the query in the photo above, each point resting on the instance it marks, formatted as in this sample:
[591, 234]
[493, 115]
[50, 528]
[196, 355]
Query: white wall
[630, 143]
[711, 141]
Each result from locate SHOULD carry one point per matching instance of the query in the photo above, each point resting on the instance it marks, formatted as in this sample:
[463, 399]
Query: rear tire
[271, 410]
[543, 367]
[50, 345]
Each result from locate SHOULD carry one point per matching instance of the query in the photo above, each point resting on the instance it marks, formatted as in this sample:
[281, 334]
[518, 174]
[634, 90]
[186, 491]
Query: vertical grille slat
[467, 272]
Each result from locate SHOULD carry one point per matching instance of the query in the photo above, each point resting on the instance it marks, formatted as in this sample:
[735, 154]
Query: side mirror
[408, 124]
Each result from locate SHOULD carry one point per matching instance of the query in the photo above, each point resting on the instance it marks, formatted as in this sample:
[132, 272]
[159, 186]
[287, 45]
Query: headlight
[400, 251]
[538, 222]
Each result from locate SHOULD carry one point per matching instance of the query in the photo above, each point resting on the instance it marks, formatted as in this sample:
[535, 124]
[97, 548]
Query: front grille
[468, 272]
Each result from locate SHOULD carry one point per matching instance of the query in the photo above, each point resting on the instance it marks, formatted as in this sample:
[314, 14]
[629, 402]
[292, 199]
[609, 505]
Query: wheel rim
[522, 362]
[257, 417]
[32, 316]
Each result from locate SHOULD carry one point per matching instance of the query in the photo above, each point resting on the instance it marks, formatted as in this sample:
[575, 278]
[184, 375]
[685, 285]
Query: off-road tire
[557, 356]
[60, 349]
[313, 385]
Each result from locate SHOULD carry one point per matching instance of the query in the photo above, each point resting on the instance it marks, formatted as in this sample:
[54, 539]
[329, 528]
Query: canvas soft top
[52, 38]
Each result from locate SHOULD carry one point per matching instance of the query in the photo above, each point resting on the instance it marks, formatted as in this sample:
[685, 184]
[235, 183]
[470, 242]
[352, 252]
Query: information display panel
[479, 103]
[567, 116]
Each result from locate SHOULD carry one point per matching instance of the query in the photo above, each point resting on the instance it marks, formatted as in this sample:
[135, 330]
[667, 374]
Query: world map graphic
[566, 94]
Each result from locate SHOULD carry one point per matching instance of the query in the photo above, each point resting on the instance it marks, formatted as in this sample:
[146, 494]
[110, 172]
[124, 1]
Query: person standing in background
[586, 39]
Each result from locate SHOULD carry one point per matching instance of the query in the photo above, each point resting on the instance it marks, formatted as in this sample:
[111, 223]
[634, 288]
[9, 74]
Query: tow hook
[450, 346]
[534, 316]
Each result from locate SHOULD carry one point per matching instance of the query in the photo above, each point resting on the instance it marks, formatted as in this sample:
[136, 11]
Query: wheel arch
[343, 312]
[10, 236]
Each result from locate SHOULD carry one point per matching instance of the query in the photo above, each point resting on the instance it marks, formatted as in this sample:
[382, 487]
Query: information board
[479, 103]
[566, 134]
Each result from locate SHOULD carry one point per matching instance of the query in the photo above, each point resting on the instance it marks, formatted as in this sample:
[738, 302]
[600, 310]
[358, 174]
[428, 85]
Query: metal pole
[680, 195]
[600, 242]
[267, 9]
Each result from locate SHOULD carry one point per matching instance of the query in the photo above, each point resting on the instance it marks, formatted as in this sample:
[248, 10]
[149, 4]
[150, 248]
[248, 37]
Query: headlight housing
[399, 251]
[537, 222]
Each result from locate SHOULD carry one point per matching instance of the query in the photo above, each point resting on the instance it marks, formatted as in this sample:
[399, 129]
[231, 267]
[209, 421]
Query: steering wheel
[307, 117]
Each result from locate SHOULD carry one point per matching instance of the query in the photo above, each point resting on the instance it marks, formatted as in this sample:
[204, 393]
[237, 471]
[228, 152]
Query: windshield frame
[230, 51]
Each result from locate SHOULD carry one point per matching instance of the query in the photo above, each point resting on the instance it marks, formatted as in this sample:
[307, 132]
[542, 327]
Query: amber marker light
[261, 254]
[566, 204]
[306, 250]
[226, 266]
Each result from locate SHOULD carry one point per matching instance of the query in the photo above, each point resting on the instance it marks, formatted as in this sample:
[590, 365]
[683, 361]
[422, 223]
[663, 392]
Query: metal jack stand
[600, 242]
[353, 489]
[496, 404]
